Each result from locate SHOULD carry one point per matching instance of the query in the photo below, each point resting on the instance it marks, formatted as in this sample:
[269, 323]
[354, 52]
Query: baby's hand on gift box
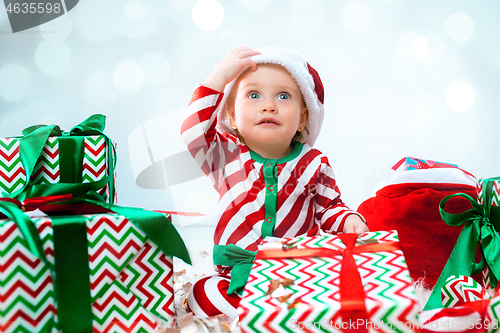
[354, 224]
[229, 68]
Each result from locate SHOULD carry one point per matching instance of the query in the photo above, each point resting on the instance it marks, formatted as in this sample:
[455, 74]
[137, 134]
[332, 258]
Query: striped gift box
[131, 279]
[13, 176]
[495, 192]
[310, 301]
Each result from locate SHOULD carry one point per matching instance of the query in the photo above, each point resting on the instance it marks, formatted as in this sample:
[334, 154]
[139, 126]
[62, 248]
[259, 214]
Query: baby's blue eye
[283, 96]
[253, 95]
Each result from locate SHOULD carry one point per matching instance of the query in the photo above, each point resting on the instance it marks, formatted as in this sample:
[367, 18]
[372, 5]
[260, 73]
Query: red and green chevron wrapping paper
[493, 313]
[467, 308]
[495, 192]
[314, 303]
[495, 202]
[460, 289]
[131, 279]
[13, 175]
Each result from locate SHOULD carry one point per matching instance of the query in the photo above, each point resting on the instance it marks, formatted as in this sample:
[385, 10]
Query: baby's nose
[268, 106]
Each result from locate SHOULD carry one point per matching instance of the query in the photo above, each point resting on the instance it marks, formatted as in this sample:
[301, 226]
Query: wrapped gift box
[492, 322]
[302, 293]
[494, 191]
[490, 193]
[467, 307]
[481, 225]
[131, 279]
[89, 159]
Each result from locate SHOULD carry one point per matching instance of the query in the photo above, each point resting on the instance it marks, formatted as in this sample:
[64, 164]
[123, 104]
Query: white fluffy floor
[422, 294]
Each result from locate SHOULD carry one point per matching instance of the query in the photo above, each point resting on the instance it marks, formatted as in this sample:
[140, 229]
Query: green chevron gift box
[58, 162]
[342, 283]
[480, 228]
[493, 193]
[100, 272]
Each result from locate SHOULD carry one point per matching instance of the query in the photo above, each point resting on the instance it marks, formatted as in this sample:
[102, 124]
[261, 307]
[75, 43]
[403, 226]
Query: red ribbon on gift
[54, 204]
[179, 213]
[49, 205]
[352, 293]
[34, 203]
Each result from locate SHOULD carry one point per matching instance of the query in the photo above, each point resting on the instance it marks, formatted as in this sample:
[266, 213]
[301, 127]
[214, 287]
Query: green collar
[296, 150]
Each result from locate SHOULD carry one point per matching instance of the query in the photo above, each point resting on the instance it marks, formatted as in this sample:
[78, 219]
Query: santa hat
[410, 202]
[306, 77]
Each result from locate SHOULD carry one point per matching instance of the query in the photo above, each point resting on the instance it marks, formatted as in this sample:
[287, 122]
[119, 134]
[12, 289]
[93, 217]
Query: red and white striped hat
[307, 79]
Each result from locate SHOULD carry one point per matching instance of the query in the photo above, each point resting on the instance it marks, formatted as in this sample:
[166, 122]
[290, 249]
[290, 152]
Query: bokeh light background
[402, 78]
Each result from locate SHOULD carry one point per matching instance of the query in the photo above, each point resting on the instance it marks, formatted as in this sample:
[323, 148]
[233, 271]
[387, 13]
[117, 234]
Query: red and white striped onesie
[259, 197]
[295, 195]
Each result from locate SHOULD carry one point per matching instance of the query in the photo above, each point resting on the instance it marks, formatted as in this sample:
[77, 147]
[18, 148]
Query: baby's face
[268, 106]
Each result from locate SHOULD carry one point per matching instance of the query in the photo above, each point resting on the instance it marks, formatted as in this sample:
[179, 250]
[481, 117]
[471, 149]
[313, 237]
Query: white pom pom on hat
[306, 77]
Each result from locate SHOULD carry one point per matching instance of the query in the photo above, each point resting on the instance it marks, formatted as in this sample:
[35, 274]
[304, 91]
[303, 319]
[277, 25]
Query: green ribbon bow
[71, 278]
[241, 260]
[71, 155]
[481, 224]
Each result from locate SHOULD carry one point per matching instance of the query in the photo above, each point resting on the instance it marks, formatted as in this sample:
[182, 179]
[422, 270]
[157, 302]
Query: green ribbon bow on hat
[481, 225]
[71, 155]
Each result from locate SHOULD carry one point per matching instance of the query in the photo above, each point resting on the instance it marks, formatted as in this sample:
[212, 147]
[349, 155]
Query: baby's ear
[304, 116]
[230, 117]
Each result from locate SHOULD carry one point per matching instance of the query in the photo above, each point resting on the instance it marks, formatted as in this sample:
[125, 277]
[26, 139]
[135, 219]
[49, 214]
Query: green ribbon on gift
[241, 260]
[481, 225]
[72, 272]
[26, 227]
[71, 282]
[71, 155]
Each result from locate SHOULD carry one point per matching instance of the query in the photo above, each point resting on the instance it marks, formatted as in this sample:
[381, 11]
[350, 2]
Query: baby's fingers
[239, 49]
[248, 52]
[245, 54]
[251, 63]
[242, 52]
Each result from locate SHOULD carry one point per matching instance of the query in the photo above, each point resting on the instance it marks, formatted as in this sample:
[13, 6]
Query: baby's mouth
[268, 121]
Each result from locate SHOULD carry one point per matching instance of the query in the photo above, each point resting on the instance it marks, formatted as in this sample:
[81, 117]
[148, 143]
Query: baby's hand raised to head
[354, 223]
[229, 68]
